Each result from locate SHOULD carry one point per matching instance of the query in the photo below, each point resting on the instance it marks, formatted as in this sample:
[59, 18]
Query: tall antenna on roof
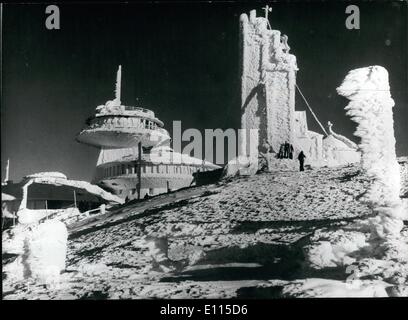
[118, 84]
[7, 177]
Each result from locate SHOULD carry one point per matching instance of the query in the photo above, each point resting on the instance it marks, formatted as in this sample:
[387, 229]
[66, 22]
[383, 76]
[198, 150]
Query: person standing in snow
[301, 158]
[280, 155]
[291, 151]
[286, 150]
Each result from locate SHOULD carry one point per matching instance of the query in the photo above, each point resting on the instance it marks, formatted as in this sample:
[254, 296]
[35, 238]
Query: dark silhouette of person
[291, 151]
[286, 150]
[301, 158]
[281, 151]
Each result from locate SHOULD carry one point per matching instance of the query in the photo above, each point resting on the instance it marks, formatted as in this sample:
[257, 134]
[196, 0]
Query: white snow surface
[242, 237]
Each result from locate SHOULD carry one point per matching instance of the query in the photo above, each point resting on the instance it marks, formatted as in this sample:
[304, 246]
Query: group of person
[286, 152]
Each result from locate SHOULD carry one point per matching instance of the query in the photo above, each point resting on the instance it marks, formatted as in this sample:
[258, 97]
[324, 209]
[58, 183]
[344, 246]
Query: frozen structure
[268, 87]
[375, 250]
[39, 240]
[135, 158]
[51, 194]
[40, 249]
[371, 108]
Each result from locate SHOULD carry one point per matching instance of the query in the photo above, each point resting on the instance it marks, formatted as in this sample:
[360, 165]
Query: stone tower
[268, 79]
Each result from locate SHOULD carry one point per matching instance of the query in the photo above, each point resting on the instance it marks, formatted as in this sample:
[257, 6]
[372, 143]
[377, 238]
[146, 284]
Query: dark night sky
[180, 60]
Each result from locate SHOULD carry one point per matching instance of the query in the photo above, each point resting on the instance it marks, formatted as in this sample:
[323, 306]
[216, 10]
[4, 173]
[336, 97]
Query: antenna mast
[7, 178]
[118, 84]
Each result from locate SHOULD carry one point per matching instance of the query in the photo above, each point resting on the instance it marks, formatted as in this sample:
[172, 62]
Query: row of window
[161, 168]
[123, 122]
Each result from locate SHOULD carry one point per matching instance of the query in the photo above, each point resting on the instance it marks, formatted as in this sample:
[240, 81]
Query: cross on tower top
[267, 9]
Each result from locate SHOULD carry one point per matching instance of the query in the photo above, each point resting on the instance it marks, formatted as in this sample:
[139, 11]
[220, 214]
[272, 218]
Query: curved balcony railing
[143, 110]
[118, 122]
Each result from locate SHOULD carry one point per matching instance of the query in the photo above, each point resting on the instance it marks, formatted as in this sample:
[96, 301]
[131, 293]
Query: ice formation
[371, 107]
[375, 251]
[268, 87]
[241, 165]
[41, 250]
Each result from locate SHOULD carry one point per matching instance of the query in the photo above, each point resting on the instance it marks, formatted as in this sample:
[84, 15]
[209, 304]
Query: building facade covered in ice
[268, 89]
[53, 195]
[135, 156]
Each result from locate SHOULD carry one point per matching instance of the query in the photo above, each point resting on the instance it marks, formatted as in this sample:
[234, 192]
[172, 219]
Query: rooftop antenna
[118, 84]
[267, 9]
[7, 172]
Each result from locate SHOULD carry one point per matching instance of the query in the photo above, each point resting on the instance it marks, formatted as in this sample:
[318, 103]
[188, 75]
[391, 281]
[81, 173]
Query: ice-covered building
[268, 87]
[52, 194]
[135, 156]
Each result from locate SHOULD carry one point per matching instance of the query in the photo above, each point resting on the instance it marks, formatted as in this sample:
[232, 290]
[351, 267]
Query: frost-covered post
[371, 108]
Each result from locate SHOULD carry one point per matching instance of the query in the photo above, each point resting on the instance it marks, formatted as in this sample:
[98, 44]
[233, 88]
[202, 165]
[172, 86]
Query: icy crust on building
[39, 240]
[47, 175]
[162, 170]
[29, 216]
[119, 131]
[118, 126]
[157, 155]
[268, 87]
[268, 79]
[123, 128]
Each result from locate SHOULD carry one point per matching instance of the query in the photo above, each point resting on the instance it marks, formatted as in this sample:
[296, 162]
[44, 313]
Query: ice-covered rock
[241, 165]
[41, 251]
[325, 288]
[333, 248]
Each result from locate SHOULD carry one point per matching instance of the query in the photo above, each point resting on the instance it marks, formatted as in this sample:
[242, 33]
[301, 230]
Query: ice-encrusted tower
[268, 87]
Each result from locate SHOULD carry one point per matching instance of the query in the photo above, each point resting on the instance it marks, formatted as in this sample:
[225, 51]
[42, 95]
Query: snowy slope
[245, 237]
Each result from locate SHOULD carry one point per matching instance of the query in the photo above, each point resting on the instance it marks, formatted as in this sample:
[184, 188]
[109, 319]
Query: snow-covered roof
[334, 143]
[159, 155]
[7, 197]
[91, 188]
[51, 174]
